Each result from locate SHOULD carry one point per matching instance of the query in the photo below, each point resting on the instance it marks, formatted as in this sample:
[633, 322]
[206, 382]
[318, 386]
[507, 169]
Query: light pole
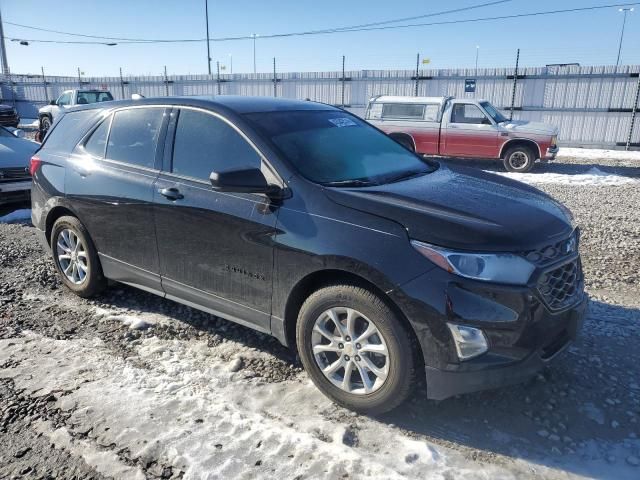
[254, 51]
[624, 21]
[206, 14]
[477, 52]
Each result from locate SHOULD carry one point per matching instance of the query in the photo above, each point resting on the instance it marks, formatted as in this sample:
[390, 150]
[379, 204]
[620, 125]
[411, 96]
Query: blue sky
[590, 38]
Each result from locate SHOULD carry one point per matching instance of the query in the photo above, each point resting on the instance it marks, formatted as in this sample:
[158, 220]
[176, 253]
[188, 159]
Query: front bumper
[523, 334]
[552, 152]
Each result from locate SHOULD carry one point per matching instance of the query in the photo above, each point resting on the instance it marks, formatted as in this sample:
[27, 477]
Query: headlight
[490, 267]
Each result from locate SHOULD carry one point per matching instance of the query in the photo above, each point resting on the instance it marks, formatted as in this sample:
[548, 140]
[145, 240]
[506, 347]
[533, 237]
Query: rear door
[109, 182]
[468, 132]
[215, 248]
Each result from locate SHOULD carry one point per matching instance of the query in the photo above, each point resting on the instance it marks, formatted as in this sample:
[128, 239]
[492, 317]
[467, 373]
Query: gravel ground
[86, 392]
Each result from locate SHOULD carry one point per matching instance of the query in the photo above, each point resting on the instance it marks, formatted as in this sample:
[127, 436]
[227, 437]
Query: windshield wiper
[406, 175]
[350, 183]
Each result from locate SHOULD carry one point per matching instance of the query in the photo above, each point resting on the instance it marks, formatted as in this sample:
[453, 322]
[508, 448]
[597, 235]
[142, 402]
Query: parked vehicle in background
[15, 179]
[301, 220]
[9, 116]
[467, 128]
[69, 98]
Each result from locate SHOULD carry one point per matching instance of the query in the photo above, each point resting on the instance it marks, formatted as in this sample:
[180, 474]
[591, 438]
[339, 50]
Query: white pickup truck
[69, 98]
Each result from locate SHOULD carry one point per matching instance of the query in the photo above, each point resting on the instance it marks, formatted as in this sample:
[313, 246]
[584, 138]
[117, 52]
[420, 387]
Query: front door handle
[171, 193]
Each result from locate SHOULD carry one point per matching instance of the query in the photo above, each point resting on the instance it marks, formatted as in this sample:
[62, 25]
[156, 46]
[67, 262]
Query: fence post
[343, 80]
[166, 81]
[417, 73]
[121, 84]
[515, 83]
[44, 84]
[218, 75]
[275, 79]
[634, 113]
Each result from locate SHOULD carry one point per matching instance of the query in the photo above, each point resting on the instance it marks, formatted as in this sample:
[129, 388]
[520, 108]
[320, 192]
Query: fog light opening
[469, 341]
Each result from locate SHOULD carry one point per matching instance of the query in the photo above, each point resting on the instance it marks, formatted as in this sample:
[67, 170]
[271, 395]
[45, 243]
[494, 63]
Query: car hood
[464, 209]
[522, 126]
[16, 152]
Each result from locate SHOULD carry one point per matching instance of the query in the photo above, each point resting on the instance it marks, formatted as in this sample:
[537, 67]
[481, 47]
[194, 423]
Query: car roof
[236, 103]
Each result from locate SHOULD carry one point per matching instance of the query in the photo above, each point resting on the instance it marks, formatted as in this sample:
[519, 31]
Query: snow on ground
[28, 123]
[186, 407]
[594, 176]
[16, 216]
[597, 153]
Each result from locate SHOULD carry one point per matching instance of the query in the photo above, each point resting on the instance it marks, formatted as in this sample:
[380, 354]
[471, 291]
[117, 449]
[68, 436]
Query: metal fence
[592, 106]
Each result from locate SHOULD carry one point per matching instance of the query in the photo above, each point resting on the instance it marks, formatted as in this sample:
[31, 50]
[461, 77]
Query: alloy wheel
[518, 160]
[350, 351]
[72, 256]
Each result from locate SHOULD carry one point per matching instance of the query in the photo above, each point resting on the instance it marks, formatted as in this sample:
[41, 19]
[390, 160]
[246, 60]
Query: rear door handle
[171, 193]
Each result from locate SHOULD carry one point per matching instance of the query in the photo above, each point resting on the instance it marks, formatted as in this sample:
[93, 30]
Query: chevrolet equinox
[301, 220]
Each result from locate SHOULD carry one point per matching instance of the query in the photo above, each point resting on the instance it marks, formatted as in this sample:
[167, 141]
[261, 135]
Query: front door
[469, 133]
[215, 248]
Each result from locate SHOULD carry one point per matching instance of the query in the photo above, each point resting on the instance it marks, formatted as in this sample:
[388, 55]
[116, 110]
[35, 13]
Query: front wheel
[76, 258]
[45, 123]
[355, 349]
[519, 159]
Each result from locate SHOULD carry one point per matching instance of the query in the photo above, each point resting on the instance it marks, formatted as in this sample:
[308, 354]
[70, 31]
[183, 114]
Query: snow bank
[594, 176]
[16, 216]
[596, 153]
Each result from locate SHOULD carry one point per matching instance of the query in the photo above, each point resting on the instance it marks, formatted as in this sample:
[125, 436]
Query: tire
[405, 142]
[399, 367]
[87, 272]
[45, 123]
[519, 159]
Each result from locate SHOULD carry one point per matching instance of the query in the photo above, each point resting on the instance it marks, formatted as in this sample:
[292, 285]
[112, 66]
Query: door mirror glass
[250, 180]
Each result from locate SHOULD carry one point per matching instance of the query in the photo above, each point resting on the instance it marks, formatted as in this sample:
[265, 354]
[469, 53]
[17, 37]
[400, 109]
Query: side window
[204, 143]
[467, 113]
[134, 136]
[431, 112]
[65, 133]
[403, 110]
[64, 99]
[97, 142]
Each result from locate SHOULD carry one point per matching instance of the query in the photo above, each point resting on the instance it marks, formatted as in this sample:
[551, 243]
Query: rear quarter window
[67, 132]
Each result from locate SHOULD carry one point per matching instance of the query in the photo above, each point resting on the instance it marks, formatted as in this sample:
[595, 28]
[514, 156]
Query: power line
[333, 31]
[326, 30]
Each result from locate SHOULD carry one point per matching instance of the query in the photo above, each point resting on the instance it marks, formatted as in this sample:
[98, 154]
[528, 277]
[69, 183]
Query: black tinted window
[204, 143]
[98, 140]
[402, 110]
[69, 130]
[134, 136]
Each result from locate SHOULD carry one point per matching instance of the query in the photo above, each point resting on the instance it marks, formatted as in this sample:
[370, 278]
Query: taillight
[34, 163]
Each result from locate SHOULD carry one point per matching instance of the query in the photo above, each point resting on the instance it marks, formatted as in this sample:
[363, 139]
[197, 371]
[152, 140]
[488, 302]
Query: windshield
[493, 112]
[93, 97]
[331, 147]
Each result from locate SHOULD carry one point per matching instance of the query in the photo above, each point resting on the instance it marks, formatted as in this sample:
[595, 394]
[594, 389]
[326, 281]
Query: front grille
[13, 174]
[561, 287]
[554, 251]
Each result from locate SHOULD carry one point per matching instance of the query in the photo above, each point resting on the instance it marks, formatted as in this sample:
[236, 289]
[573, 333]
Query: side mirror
[249, 180]
[18, 133]
[52, 102]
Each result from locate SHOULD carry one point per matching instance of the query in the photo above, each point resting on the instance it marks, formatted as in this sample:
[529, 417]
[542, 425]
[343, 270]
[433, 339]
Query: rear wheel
[355, 349]
[76, 258]
[519, 159]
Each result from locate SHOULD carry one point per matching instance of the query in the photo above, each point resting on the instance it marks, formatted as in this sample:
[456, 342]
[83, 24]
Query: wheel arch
[514, 142]
[54, 214]
[322, 278]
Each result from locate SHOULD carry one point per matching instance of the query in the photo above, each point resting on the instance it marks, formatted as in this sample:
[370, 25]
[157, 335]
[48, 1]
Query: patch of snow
[17, 216]
[594, 176]
[28, 123]
[596, 153]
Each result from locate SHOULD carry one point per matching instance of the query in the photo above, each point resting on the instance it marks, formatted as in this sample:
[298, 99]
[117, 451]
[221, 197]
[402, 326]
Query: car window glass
[134, 136]
[64, 99]
[403, 110]
[93, 97]
[467, 113]
[431, 112]
[98, 140]
[69, 130]
[205, 143]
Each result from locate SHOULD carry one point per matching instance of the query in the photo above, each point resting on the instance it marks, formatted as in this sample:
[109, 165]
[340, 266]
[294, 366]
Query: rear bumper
[443, 383]
[12, 192]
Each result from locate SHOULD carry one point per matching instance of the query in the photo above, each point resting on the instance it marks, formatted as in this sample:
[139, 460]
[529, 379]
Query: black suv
[303, 221]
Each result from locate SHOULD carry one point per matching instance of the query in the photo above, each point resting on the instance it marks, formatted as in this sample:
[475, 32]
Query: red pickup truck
[468, 128]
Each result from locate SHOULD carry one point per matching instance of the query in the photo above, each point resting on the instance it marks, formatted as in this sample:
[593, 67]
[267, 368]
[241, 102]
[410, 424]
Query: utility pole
[477, 52]
[515, 84]
[343, 80]
[624, 21]
[206, 14]
[5, 63]
[79, 78]
[417, 73]
[254, 52]
[231, 63]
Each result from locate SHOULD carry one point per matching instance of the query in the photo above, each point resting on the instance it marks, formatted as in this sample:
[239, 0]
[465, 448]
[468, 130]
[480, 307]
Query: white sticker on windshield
[343, 122]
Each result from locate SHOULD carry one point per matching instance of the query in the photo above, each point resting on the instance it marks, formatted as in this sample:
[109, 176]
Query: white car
[15, 178]
[69, 98]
